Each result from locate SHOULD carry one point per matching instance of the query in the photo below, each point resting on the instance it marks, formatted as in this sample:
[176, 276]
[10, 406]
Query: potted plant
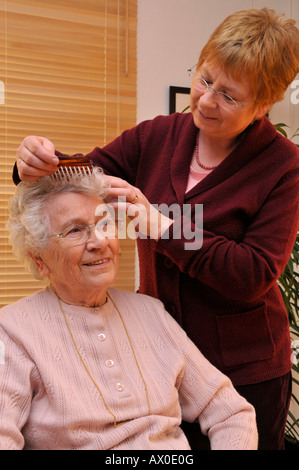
[289, 287]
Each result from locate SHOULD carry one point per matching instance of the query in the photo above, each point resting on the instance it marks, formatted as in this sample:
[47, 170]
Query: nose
[209, 98]
[96, 239]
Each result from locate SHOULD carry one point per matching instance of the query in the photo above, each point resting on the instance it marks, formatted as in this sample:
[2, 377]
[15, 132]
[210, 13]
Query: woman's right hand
[36, 158]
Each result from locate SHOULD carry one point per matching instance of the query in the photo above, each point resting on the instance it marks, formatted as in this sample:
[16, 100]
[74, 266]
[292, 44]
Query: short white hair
[28, 221]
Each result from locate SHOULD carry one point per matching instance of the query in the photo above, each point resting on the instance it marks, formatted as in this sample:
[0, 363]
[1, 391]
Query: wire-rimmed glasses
[224, 100]
[78, 234]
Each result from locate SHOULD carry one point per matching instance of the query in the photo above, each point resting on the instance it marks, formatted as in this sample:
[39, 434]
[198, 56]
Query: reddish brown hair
[259, 45]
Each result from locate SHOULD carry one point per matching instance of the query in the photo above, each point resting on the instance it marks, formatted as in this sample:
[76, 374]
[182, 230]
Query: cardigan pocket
[245, 337]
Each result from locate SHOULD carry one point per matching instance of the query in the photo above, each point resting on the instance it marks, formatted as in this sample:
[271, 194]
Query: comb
[75, 165]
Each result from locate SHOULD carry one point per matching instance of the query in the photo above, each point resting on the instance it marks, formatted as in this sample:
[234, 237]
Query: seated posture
[86, 366]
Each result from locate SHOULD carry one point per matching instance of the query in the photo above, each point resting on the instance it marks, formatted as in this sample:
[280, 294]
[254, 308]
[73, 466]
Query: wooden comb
[72, 165]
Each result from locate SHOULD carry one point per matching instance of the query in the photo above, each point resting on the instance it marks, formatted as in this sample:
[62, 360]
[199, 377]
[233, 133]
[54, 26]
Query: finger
[128, 196]
[33, 164]
[135, 200]
[36, 150]
[33, 160]
[114, 181]
[120, 188]
[30, 173]
[127, 191]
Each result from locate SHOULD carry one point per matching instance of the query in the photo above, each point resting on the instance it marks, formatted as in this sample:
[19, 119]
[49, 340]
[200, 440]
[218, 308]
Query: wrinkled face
[79, 272]
[209, 114]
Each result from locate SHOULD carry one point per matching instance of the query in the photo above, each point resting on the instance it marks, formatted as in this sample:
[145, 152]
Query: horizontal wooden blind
[68, 72]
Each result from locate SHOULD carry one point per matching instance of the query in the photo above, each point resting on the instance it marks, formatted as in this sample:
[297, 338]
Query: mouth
[97, 262]
[207, 118]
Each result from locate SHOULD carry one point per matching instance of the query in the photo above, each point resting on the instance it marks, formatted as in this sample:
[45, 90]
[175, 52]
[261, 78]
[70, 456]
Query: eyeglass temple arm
[190, 70]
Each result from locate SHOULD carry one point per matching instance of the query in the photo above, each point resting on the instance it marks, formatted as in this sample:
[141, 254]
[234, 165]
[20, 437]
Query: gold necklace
[116, 424]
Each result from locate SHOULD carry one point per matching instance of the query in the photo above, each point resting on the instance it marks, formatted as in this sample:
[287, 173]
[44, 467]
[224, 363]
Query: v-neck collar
[257, 136]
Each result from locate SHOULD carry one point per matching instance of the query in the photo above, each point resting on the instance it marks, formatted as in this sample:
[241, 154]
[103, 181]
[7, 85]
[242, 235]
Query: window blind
[68, 72]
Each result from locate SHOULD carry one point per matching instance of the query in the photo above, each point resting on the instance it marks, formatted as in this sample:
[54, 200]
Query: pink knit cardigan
[48, 401]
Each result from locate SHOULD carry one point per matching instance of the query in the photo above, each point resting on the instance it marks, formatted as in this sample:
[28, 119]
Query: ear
[262, 110]
[40, 264]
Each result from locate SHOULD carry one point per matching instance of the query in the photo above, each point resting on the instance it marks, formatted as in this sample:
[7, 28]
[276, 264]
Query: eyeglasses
[78, 234]
[224, 100]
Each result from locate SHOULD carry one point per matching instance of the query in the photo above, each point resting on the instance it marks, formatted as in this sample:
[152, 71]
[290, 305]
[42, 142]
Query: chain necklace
[201, 165]
[116, 424]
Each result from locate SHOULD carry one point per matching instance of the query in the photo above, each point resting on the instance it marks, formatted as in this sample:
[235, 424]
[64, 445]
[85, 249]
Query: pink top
[194, 178]
[48, 401]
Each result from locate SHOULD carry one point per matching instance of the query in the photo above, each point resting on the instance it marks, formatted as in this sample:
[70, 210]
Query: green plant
[280, 127]
[289, 287]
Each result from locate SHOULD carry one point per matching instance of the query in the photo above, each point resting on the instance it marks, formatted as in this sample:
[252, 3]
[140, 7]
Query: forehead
[226, 77]
[71, 206]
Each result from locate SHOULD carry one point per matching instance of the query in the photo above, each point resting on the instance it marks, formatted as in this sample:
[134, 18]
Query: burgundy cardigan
[225, 293]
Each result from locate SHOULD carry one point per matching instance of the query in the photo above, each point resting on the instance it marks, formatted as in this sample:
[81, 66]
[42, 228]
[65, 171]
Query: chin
[101, 282]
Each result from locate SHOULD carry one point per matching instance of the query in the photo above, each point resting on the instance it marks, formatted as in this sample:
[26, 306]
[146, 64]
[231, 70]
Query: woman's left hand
[146, 218]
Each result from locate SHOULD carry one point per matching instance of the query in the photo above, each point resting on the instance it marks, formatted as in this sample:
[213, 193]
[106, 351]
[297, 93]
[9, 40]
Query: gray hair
[28, 221]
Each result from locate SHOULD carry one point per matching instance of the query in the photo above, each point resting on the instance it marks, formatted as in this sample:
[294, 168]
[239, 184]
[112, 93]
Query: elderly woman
[85, 366]
[227, 156]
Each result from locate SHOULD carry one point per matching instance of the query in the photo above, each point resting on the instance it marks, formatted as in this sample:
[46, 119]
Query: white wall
[171, 34]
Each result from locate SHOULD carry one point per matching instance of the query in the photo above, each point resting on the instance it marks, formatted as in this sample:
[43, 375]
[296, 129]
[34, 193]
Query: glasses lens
[198, 81]
[106, 227]
[76, 233]
[79, 233]
[226, 101]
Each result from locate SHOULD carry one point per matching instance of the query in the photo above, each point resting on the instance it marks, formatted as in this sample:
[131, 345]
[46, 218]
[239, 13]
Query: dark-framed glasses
[224, 100]
[78, 234]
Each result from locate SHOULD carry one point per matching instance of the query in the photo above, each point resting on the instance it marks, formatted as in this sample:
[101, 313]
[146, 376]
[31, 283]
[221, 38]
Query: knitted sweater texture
[224, 294]
[48, 400]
